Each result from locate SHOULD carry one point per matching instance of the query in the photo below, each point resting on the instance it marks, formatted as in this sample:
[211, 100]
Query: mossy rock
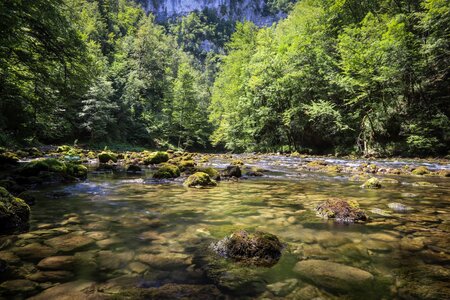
[420, 171]
[255, 172]
[372, 183]
[77, 170]
[63, 149]
[34, 168]
[186, 164]
[317, 164]
[237, 162]
[443, 173]
[232, 171]
[333, 169]
[34, 152]
[8, 158]
[104, 157]
[213, 173]
[167, 171]
[341, 211]
[134, 169]
[359, 178]
[389, 181]
[199, 179]
[156, 158]
[14, 213]
[424, 184]
[258, 248]
[91, 155]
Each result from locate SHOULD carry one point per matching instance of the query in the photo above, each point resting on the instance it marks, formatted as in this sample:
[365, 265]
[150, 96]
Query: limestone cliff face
[251, 10]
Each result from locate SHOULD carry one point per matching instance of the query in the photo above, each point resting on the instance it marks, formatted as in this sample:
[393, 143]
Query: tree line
[339, 76]
[336, 76]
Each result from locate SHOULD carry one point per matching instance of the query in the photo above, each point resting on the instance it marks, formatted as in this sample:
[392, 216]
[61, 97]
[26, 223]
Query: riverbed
[115, 232]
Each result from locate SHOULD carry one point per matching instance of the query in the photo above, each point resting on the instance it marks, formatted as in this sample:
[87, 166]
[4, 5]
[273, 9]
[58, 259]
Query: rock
[34, 251]
[199, 179]
[183, 291]
[68, 291]
[334, 276]
[213, 173]
[259, 248]
[283, 288]
[443, 173]
[156, 158]
[412, 243]
[107, 243]
[420, 171]
[51, 276]
[69, 242]
[109, 260]
[18, 287]
[104, 157]
[385, 237]
[381, 212]
[372, 183]
[8, 158]
[165, 261]
[389, 181]
[134, 169]
[399, 208]
[341, 211]
[424, 184]
[232, 171]
[14, 213]
[57, 263]
[167, 171]
[9, 257]
[97, 235]
[138, 267]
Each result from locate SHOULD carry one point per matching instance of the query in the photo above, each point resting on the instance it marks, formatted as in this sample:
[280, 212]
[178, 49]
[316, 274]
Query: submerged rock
[18, 287]
[398, 207]
[341, 211]
[424, 184]
[199, 179]
[259, 248]
[334, 276]
[14, 213]
[69, 242]
[57, 263]
[372, 183]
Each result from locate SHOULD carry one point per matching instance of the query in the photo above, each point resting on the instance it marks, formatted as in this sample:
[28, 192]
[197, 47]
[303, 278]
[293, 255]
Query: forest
[334, 77]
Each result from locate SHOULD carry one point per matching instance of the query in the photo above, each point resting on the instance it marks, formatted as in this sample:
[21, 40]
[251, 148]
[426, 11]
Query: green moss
[8, 158]
[167, 171]
[104, 157]
[199, 179]
[213, 173]
[420, 171]
[372, 183]
[186, 164]
[14, 213]
[33, 168]
[91, 155]
[333, 169]
[237, 162]
[156, 158]
[63, 148]
[77, 170]
[317, 164]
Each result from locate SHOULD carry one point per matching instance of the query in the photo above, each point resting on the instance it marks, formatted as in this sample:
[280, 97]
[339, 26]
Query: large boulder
[14, 213]
[199, 179]
[341, 211]
[259, 248]
[372, 183]
[334, 276]
[53, 170]
[8, 158]
[104, 157]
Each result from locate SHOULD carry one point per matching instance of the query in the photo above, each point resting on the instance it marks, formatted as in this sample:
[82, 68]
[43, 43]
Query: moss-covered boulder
[167, 171]
[420, 171]
[341, 211]
[199, 179]
[14, 213]
[372, 183]
[8, 158]
[443, 173]
[232, 171]
[237, 162]
[156, 158]
[104, 157]
[186, 164]
[53, 170]
[259, 248]
[213, 173]
[134, 169]
[63, 149]
[35, 167]
[316, 164]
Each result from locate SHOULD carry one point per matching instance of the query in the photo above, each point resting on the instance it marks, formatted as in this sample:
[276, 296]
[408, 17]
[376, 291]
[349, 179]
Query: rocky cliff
[258, 11]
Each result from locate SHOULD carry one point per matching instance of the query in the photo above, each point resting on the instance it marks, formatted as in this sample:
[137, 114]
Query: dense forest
[335, 76]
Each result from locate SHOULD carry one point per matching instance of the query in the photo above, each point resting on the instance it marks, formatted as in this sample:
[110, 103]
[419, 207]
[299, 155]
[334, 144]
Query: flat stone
[283, 288]
[109, 260]
[97, 235]
[9, 257]
[385, 237]
[67, 291]
[57, 263]
[69, 242]
[164, 261]
[333, 276]
[108, 242]
[18, 286]
[34, 251]
[51, 276]
[138, 267]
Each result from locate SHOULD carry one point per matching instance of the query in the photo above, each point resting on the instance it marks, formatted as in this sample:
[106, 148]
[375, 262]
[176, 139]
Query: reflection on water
[121, 232]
